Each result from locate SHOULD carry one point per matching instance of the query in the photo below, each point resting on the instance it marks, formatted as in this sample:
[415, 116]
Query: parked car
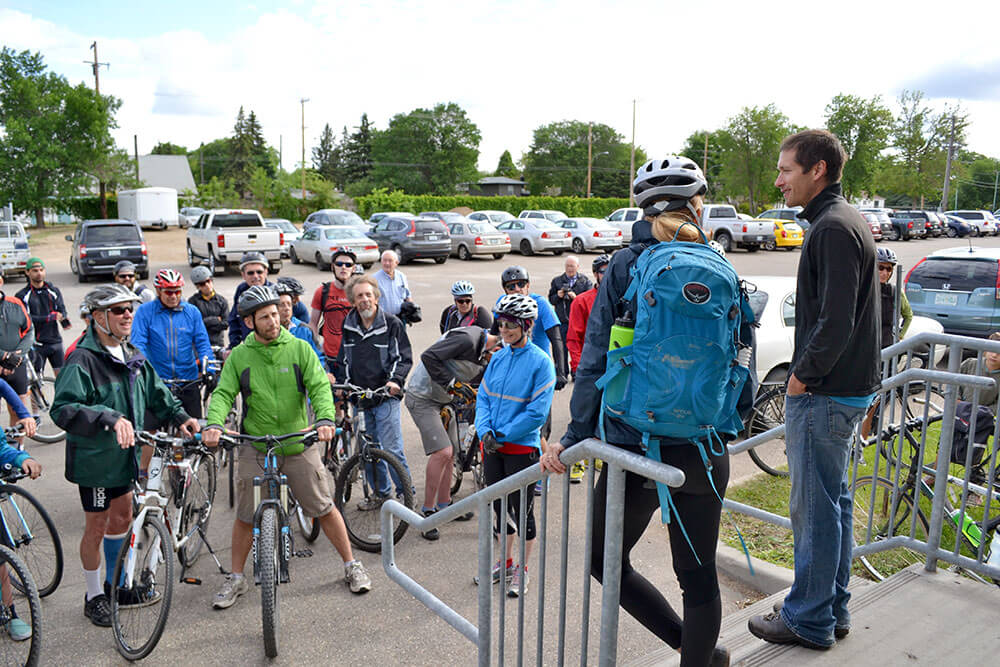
[290, 232]
[932, 223]
[956, 226]
[790, 214]
[958, 287]
[189, 215]
[623, 219]
[317, 244]
[492, 217]
[100, 244]
[221, 236]
[413, 237]
[983, 222]
[531, 235]
[375, 218]
[906, 226]
[591, 234]
[550, 215]
[787, 235]
[722, 223]
[334, 216]
[14, 250]
[873, 224]
[885, 222]
[475, 237]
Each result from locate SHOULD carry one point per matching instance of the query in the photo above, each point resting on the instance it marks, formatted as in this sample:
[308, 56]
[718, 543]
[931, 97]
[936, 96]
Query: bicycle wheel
[296, 513]
[364, 526]
[769, 412]
[885, 563]
[139, 607]
[478, 470]
[198, 498]
[33, 535]
[28, 607]
[457, 470]
[267, 559]
[41, 400]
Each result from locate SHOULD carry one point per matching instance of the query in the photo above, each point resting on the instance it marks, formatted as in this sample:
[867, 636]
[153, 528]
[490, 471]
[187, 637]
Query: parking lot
[321, 622]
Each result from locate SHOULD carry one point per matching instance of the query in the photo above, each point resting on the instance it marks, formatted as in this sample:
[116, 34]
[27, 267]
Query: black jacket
[41, 304]
[214, 312]
[837, 319]
[237, 330]
[562, 305]
[479, 316]
[371, 357]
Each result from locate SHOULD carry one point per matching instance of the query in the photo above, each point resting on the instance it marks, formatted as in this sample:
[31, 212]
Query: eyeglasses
[259, 272]
[464, 302]
[347, 264]
[120, 310]
[125, 276]
[519, 284]
[507, 324]
[171, 292]
[885, 268]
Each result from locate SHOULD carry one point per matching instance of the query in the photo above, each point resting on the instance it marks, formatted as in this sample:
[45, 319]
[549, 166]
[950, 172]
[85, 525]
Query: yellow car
[787, 235]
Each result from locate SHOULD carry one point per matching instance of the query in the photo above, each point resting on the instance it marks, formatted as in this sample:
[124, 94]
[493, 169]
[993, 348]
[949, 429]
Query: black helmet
[512, 273]
[255, 298]
[600, 262]
[343, 251]
[409, 313]
[290, 285]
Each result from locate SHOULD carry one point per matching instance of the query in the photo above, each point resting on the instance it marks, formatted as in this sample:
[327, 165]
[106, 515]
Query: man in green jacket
[275, 372]
[101, 398]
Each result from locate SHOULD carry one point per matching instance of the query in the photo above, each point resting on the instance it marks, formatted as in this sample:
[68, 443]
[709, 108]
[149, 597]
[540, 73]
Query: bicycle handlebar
[356, 393]
[10, 473]
[231, 440]
[916, 422]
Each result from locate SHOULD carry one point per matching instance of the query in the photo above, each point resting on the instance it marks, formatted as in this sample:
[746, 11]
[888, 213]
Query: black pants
[499, 466]
[699, 510]
[564, 329]
[190, 398]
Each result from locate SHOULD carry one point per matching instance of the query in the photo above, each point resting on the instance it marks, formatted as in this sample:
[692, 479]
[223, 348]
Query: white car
[291, 232]
[623, 219]
[543, 214]
[983, 223]
[592, 234]
[531, 235]
[317, 244]
[492, 217]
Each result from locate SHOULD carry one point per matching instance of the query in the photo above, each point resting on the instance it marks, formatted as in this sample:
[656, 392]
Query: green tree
[863, 127]
[218, 193]
[167, 148]
[506, 166]
[261, 155]
[210, 159]
[51, 133]
[749, 144]
[426, 151]
[239, 167]
[356, 152]
[977, 182]
[712, 163]
[557, 160]
[326, 157]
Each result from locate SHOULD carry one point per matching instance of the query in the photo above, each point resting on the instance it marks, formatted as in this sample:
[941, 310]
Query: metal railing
[904, 530]
[481, 633]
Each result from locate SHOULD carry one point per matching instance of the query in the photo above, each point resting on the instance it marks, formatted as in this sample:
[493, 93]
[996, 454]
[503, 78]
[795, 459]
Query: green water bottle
[968, 527]
[622, 331]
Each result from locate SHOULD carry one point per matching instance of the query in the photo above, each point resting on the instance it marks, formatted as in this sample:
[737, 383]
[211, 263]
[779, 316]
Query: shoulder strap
[324, 293]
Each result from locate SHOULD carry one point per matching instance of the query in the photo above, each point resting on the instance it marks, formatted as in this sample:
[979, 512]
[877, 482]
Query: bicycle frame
[277, 488]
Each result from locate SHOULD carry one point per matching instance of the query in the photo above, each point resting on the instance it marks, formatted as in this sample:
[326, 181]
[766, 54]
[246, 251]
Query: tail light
[618, 232]
[744, 229]
[909, 225]
[83, 252]
[597, 235]
[371, 247]
[413, 229]
[784, 234]
[281, 238]
[910, 272]
[506, 238]
[545, 235]
[479, 240]
[142, 247]
[998, 286]
[220, 241]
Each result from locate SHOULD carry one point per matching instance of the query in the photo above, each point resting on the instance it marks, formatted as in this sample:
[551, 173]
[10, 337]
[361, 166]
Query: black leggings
[499, 466]
[699, 509]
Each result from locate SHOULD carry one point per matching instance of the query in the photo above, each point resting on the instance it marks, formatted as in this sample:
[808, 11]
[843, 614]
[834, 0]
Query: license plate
[114, 253]
[251, 241]
[945, 299]
[4, 256]
[494, 241]
[760, 238]
[432, 237]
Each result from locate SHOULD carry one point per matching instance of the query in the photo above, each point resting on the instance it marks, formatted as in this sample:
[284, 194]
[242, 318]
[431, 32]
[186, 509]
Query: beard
[367, 314]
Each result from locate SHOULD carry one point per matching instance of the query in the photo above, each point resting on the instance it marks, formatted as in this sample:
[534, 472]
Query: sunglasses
[519, 284]
[347, 264]
[125, 276]
[171, 292]
[885, 268]
[255, 273]
[120, 310]
[507, 324]
[464, 302]
[203, 282]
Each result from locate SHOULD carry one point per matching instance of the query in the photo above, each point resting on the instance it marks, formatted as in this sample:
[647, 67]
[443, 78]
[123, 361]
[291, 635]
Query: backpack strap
[685, 224]
[663, 491]
[324, 293]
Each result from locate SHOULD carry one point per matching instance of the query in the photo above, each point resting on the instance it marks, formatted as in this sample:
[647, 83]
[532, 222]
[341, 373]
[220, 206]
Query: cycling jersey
[515, 395]
[173, 339]
[42, 303]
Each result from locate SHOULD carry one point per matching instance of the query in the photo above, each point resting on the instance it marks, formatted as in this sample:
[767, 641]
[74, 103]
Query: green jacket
[95, 389]
[274, 381]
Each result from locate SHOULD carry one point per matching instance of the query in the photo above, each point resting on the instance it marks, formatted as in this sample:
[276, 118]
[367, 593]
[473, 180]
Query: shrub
[383, 200]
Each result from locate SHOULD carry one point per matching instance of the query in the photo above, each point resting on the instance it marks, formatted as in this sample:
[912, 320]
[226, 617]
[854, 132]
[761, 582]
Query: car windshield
[480, 228]
[236, 220]
[554, 215]
[121, 234]
[8, 230]
[430, 226]
[347, 218]
[499, 217]
[343, 233]
[541, 223]
[962, 275]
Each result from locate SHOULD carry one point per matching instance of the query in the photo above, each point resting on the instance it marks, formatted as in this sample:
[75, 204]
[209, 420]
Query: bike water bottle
[153, 482]
[994, 556]
[622, 331]
[968, 527]
[470, 433]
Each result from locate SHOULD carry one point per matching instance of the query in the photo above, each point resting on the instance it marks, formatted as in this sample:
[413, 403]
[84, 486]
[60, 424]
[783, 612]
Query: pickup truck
[221, 236]
[13, 249]
[722, 223]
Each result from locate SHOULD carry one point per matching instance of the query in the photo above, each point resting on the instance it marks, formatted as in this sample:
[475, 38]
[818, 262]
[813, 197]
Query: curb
[767, 578]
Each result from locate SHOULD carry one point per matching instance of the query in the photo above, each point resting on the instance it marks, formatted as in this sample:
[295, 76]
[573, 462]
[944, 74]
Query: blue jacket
[237, 330]
[8, 394]
[515, 395]
[11, 455]
[299, 329]
[173, 340]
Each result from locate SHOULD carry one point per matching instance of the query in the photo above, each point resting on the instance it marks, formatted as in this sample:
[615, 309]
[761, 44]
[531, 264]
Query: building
[498, 186]
[167, 171]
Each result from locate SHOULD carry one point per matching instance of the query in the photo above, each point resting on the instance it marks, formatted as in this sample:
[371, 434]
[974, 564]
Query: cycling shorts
[98, 498]
[51, 352]
[18, 380]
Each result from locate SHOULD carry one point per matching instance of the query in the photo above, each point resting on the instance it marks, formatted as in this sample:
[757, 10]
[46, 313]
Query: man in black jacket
[44, 302]
[212, 305]
[563, 289]
[834, 376]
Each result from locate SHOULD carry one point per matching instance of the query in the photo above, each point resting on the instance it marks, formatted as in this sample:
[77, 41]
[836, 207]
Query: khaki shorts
[308, 479]
[426, 415]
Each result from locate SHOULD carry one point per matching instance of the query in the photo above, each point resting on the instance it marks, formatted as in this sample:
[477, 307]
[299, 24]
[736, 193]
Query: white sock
[348, 563]
[236, 575]
[94, 585]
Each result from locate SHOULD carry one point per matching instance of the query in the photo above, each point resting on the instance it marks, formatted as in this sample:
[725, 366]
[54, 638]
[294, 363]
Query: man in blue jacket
[253, 268]
[171, 333]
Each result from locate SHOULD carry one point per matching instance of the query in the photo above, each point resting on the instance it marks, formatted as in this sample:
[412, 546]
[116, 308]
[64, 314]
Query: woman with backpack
[670, 191]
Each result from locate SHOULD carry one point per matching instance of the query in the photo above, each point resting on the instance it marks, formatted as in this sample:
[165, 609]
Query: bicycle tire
[267, 559]
[27, 602]
[305, 523]
[883, 564]
[768, 412]
[34, 537]
[41, 400]
[197, 509]
[364, 527]
[154, 569]
[457, 470]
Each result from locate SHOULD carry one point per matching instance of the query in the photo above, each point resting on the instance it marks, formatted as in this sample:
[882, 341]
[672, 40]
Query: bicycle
[143, 576]
[27, 603]
[356, 476]
[467, 455]
[41, 388]
[273, 543]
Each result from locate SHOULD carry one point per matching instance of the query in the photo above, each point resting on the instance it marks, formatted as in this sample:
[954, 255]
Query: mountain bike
[41, 389]
[458, 419]
[24, 599]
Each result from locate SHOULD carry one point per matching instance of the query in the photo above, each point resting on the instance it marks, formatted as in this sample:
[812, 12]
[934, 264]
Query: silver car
[492, 217]
[317, 244]
[290, 232]
[531, 235]
[470, 238]
[592, 234]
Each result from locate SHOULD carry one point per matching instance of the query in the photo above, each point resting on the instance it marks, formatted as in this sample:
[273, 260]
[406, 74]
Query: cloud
[965, 81]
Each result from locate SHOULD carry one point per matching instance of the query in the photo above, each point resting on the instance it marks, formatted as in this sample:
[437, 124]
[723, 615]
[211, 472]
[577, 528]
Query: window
[346, 218]
[631, 215]
[788, 310]
[476, 216]
[961, 275]
[617, 216]
[568, 224]
[230, 220]
[112, 234]
[517, 225]
[504, 225]
[397, 225]
[455, 229]
[758, 301]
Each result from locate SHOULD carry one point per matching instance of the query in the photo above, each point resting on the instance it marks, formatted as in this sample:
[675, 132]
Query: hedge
[595, 207]
[85, 208]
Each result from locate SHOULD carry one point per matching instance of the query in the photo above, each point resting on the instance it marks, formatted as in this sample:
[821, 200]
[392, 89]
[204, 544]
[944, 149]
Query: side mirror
[69, 238]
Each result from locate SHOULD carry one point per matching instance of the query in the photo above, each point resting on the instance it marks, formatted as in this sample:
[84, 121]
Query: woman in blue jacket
[513, 402]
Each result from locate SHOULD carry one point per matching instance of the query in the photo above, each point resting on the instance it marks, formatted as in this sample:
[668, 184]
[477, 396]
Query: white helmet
[518, 306]
[673, 179]
[463, 288]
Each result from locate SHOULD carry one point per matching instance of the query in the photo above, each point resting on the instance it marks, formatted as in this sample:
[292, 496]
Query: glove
[490, 444]
[11, 360]
[560, 382]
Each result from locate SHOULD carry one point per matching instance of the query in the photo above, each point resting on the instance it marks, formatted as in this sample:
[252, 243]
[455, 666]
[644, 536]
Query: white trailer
[150, 207]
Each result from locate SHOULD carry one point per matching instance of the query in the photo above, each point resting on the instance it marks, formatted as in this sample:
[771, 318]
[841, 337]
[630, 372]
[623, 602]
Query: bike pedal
[305, 553]
[194, 581]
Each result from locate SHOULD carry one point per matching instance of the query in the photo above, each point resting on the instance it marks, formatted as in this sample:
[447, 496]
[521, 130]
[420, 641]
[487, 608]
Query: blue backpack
[686, 369]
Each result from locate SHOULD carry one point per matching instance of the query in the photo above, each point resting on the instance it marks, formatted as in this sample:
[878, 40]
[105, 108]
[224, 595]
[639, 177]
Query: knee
[441, 455]
[700, 585]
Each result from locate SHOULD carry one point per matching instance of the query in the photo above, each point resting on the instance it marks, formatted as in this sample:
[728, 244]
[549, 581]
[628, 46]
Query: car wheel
[320, 264]
[464, 254]
[952, 233]
[975, 231]
[274, 268]
[498, 255]
[144, 275]
[367, 266]
[751, 247]
[72, 266]
[525, 248]
[770, 245]
[894, 234]
[724, 240]
[398, 249]
[292, 256]
[789, 248]
[578, 246]
[558, 252]
[214, 266]
[440, 260]
[192, 258]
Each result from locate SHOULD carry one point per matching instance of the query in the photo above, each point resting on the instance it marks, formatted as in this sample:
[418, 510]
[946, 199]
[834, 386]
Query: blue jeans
[383, 424]
[817, 442]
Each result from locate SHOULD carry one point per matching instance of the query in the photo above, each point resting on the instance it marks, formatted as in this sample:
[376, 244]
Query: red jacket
[579, 312]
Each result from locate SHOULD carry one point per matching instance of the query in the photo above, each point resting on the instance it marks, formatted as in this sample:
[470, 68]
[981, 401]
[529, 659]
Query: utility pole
[135, 147]
[96, 65]
[704, 161]
[947, 165]
[590, 154]
[631, 162]
[303, 103]
[996, 182]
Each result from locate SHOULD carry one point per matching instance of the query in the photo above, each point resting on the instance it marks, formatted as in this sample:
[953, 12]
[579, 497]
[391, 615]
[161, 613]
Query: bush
[85, 208]
[382, 200]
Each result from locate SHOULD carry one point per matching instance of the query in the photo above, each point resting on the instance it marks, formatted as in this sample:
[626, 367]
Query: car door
[457, 231]
[305, 246]
[570, 226]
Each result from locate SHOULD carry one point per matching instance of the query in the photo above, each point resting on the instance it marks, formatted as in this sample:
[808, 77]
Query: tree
[239, 167]
[326, 157]
[356, 152]
[694, 148]
[261, 155]
[506, 166]
[557, 160]
[749, 145]
[210, 159]
[863, 128]
[977, 182]
[427, 151]
[52, 132]
[167, 148]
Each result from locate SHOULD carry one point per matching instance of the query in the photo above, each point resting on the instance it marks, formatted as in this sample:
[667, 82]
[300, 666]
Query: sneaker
[495, 574]
[433, 533]
[356, 578]
[576, 472]
[538, 488]
[18, 629]
[232, 588]
[839, 631]
[138, 596]
[98, 610]
[518, 585]
[372, 503]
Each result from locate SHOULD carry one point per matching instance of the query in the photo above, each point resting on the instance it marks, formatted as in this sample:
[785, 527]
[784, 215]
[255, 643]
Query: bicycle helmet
[290, 285]
[168, 279]
[601, 262]
[124, 266]
[84, 310]
[105, 296]
[253, 257]
[512, 273]
[256, 297]
[673, 179]
[886, 256]
[343, 251]
[519, 307]
[200, 274]
[463, 288]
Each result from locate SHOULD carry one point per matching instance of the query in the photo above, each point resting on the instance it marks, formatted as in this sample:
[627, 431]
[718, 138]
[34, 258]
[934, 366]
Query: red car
[874, 224]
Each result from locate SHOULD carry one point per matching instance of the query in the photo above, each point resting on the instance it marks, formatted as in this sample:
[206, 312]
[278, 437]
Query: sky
[182, 69]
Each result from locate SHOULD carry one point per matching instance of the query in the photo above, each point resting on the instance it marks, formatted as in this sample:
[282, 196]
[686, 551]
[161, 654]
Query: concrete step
[914, 617]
